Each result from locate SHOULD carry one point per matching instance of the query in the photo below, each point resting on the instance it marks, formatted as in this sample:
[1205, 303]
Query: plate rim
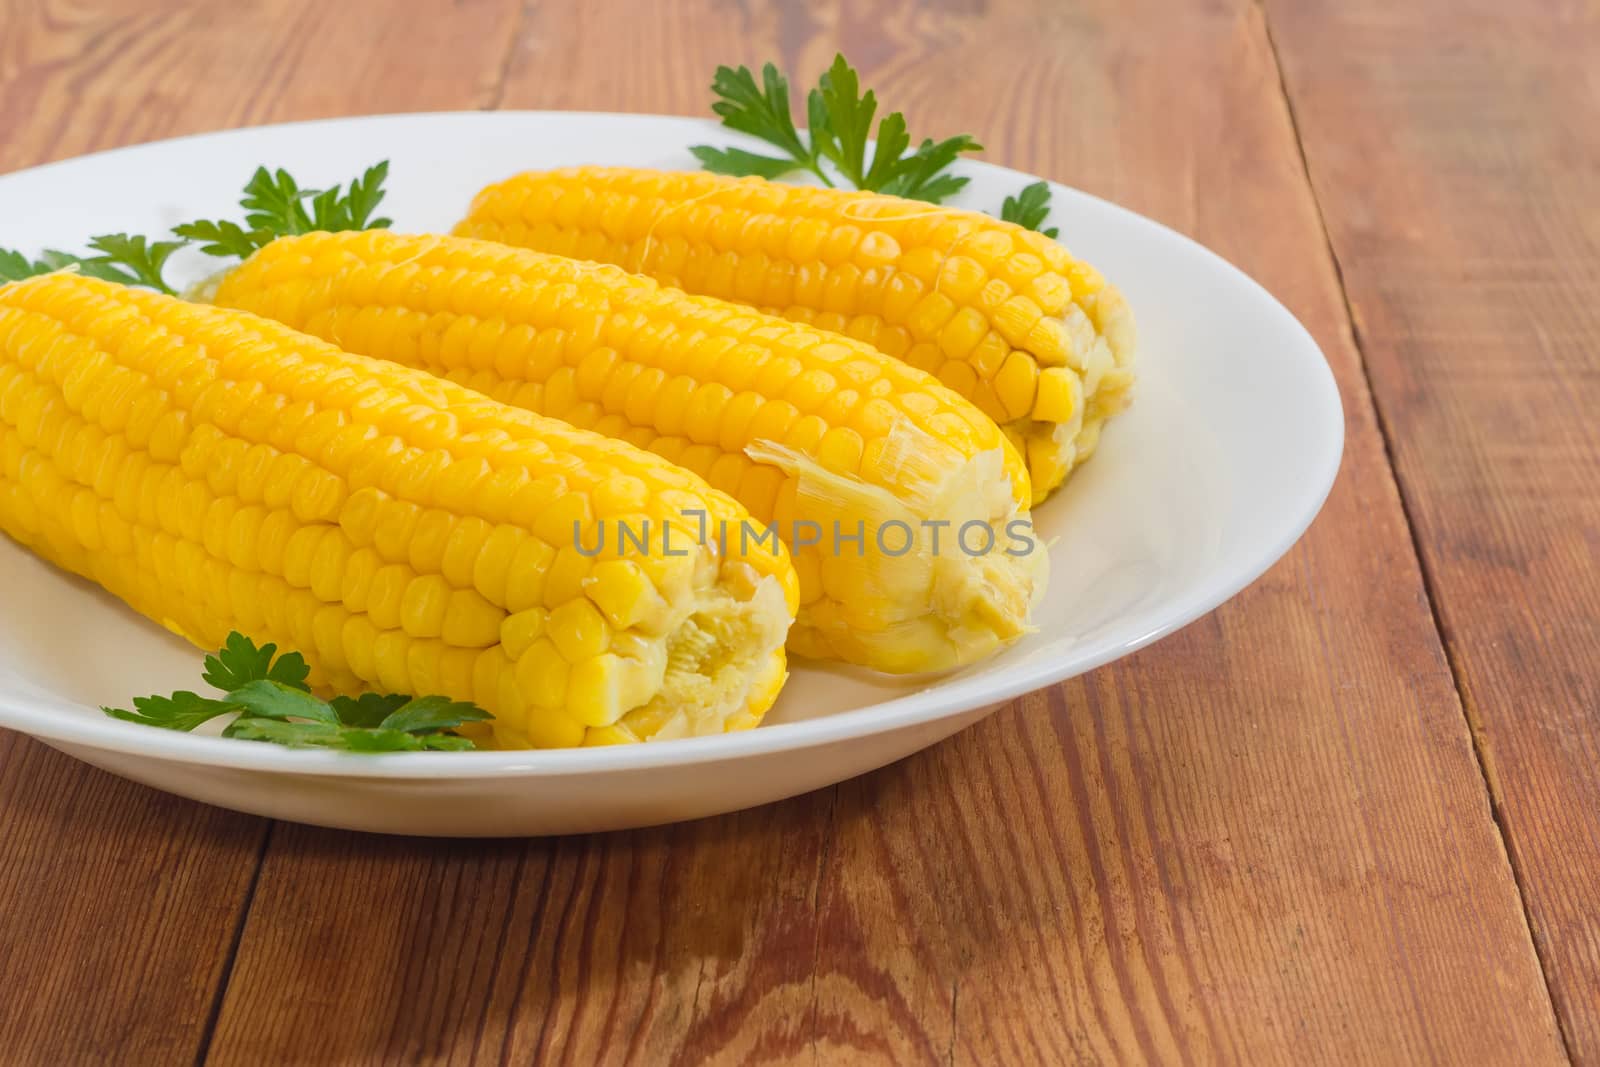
[919, 708]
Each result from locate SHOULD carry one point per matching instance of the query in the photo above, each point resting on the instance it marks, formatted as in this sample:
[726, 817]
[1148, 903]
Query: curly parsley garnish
[269, 695]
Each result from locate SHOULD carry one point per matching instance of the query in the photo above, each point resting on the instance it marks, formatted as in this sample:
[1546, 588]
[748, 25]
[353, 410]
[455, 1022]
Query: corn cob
[797, 424]
[1002, 315]
[218, 471]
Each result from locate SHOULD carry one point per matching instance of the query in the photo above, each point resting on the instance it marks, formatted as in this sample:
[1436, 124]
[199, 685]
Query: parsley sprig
[1029, 208]
[14, 266]
[761, 111]
[269, 694]
[839, 114]
[122, 258]
[840, 117]
[276, 206]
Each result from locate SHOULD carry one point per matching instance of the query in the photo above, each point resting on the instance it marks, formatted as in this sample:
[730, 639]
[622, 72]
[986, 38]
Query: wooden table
[1349, 817]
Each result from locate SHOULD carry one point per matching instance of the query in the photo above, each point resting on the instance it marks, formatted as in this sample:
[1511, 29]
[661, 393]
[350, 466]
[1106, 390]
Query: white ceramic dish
[1225, 457]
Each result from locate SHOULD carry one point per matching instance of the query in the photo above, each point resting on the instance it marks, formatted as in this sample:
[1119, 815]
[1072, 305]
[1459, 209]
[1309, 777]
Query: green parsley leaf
[427, 714]
[326, 211]
[1029, 208]
[267, 699]
[368, 709]
[938, 188]
[321, 735]
[382, 740]
[123, 259]
[817, 123]
[843, 138]
[53, 259]
[761, 111]
[922, 175]
[840, 115]
[14, 266]
[366, 193]
[892, 144]
[241, 661]
[276, 206]
[220, 237]
[447, 743]
[274, 704]
[739, 163]
[180, 711]
[273, 202]
[130, 260]
[293, 734]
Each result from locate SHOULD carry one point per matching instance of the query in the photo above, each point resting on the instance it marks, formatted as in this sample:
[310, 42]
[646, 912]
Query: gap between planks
[219, 996]
[493, 101]
[1407, 505]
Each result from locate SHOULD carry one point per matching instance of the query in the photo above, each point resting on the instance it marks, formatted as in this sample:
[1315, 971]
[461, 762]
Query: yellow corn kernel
[579, 630]
[469, 620]
[542, 674]
[520, 630]
[861, 264]
[770, 411]
[1015, 383]
[143, 445]
[525, 580]
[625, 595]
[595, 686]
[962, 334]
[1056, 400]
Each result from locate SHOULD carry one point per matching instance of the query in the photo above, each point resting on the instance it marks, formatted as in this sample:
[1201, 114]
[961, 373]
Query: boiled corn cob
[1002, 315]
[219, 471]
[797, 424]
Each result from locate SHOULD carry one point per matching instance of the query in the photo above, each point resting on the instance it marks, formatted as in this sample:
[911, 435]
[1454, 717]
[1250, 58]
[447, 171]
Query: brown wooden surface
[1267, 839]
[1468, 227]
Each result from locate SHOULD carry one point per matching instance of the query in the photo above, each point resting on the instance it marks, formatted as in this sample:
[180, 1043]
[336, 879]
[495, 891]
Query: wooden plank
[79, 78]
[1265, 840]
[119, 906]
[1454, 149]
[583, 949]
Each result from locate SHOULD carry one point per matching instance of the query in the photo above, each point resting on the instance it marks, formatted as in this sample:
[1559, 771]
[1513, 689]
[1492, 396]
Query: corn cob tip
[1069, 407]
[972, 564]
[725, 664]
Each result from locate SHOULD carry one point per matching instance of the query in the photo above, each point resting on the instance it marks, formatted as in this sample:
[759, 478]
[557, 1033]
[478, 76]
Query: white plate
[1223, 460]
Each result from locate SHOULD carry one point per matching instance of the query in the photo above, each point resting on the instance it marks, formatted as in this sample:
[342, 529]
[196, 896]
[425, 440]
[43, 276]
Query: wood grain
[84, 76]
[118, 909]
[1468, 229]
[119, 906]
[1265, 840]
